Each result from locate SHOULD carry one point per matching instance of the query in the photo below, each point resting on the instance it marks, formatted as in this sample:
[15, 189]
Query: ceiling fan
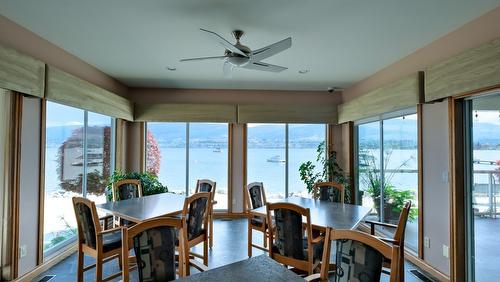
[238, 55]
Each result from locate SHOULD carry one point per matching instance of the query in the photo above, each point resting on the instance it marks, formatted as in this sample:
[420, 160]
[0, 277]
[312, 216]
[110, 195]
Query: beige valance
[398, 95]
[185, 112]
[287, 114]
[474, 69]
[70, 90]
[21, 73]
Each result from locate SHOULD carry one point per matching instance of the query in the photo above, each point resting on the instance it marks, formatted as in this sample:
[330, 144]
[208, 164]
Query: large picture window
[275, 153]
[387, 156]
[188, 152]
[78, 162]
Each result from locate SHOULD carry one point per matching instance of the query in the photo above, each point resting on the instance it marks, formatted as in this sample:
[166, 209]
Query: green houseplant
[150, 183]
[394, 199]
[329, 170]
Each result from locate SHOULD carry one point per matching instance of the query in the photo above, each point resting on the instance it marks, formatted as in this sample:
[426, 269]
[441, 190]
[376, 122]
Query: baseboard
[230, 215]
[47, 264]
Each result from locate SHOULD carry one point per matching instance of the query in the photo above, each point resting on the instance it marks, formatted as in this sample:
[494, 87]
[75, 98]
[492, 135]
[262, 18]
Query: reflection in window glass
[63, 172]
[166, 154]
[266, 157]
[369, 165]
[303, 142]
[208, 158]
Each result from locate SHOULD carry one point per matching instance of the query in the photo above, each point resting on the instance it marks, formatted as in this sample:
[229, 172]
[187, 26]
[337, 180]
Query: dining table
[259, 268]
[325, 213]
[143, 208]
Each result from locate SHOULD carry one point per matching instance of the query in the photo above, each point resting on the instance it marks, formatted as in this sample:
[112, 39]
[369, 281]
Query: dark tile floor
[230, 245]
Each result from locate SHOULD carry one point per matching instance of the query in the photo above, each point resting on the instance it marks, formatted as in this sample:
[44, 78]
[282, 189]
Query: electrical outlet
[446, 251]
[445, 176]
[427, 242]
[23, 251]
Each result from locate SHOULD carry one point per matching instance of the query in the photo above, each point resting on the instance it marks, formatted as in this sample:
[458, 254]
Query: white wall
[238, 165]
[29, 184]
[436, 189]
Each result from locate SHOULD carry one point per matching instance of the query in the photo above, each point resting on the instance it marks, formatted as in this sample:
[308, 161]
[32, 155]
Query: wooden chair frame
[304, 265]
[100, 256]
[188, 244]
[251, 226]
[320, 185]
[116, 186]
[388, 251]
[128, 235]
[399, 235]
[212, 203]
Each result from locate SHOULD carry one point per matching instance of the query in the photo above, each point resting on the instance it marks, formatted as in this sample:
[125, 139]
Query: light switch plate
[427, 242]
[446, 251]
[23, 251]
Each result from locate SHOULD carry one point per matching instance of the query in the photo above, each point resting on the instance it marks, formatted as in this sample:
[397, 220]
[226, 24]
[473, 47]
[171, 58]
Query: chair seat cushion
[111, 241]
[257, 221]
[317, 250]
[190, 236]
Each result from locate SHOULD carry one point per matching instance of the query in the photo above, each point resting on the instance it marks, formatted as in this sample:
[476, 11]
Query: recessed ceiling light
[171, 68]
[304, 71]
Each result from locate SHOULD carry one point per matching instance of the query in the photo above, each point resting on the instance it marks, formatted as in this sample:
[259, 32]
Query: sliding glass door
[483, 186]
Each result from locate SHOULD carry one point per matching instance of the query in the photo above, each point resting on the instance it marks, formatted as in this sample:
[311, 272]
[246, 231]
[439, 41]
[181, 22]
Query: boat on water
[217, 150]
[276, 159]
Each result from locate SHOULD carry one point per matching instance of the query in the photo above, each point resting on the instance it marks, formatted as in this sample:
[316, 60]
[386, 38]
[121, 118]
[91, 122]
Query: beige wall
[23, 40]
[436, 187]
[479, 31]
[242, 97]
[132, 154]
[29, 183]
[238, 163]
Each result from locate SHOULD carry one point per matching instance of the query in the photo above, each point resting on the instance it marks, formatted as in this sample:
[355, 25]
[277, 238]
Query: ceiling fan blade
[272, 49]
[228, 70]
[226, 44]
[203, 58]
[264, 67]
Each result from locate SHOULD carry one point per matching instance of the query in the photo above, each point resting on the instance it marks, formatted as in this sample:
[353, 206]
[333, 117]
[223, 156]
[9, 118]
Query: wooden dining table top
[325, 213]
[146, 207]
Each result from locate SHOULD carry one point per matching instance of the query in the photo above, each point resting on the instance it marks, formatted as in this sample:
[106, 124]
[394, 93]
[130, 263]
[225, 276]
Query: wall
[238, 182]
[133, 152]
[242, 97]
[23, 40]
[29, 184]
[470, 35]
[436, 187]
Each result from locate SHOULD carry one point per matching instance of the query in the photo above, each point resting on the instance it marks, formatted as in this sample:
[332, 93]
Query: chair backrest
[399, 235]
[126, 189]
[256, 195]
[195, 213]
[329, 191]
[153, 242]
[359, 257]
[87, 221]
[289, 234]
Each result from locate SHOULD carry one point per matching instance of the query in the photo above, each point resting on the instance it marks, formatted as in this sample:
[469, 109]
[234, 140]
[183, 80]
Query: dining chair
[329, 191]
[194, 229]
[206, 185]
[287, 244]
[103, 245]
[123, 190]
[398, 238]
[359, 257]
[153, 242]
[256, 198]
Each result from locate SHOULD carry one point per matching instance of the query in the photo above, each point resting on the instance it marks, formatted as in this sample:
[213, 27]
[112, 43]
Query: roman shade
[72, 91]
[269, 113]
[185, 112]
[474, 69]
[398, 95]
[21, 73]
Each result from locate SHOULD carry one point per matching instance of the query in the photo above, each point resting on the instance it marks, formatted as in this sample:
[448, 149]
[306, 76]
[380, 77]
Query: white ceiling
[340, 42]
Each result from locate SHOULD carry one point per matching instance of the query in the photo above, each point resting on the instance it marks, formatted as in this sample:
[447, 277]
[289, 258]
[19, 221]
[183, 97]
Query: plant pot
[390, 215]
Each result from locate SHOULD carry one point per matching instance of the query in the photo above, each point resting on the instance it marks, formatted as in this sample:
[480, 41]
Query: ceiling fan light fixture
[171, 68]
[304, 71]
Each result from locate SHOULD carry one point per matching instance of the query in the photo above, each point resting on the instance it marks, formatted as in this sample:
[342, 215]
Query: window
[78, 154]
[275, 153]
[387, 157]
[181, 153]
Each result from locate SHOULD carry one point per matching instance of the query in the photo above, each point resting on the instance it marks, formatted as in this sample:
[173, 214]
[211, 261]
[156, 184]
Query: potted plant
[329, 170]
[149, 182]
[394, 199]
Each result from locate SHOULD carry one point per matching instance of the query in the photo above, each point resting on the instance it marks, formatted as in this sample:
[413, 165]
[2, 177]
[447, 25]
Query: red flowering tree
[153, 154]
